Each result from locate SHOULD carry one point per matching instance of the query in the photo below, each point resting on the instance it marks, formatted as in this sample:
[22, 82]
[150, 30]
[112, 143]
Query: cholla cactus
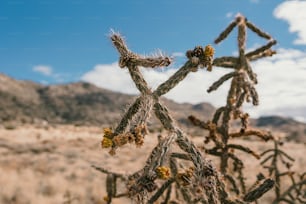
[132, 129]
[199, 181]
[276, 155]
[296, 192]
[242, 85]
[242, 89]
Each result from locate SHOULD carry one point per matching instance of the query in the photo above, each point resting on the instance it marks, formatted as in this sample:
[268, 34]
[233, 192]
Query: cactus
[197, 180]
[242, 89]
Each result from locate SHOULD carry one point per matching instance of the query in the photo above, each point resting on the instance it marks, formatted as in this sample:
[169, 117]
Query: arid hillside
[25, 102]
[82, 104]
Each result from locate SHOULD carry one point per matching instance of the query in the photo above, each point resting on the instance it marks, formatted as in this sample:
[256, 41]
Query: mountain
[292, 129]
[78, 103]
[26, 102]
[82, 103]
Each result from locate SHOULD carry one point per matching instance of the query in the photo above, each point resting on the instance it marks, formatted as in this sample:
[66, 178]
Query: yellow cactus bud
[106, 198]
[209, 51]
[106, 142]
[107, 132]
[163, 172]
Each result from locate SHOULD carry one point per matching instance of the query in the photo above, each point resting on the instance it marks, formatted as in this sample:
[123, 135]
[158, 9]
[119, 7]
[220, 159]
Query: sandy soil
[52, 165]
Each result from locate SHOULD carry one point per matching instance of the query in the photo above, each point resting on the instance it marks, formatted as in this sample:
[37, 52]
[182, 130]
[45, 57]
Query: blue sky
[59, 41]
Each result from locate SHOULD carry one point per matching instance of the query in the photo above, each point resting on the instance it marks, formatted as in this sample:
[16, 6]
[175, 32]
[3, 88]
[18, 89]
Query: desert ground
[52, 164]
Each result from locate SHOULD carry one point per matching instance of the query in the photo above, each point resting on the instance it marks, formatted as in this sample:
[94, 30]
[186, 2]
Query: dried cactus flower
[163, 172]
[106, 142]
[139, 132]
[106, 198]
[209, 51]
[122, 139]
[112, 152]
[107, 132]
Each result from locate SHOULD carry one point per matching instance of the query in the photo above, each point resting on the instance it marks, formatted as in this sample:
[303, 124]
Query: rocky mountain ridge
[81, 103]
[77, 103]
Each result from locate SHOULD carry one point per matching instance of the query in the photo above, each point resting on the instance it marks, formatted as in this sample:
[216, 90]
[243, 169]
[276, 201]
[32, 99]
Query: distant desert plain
[53, 164]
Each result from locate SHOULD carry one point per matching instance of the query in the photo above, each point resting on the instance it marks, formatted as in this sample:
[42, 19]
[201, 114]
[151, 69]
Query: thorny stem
[128, 116]
[259, 191]
[160, 191]
[174, 79]
[288, 191]
[276, 171]
[138, 79]
[276, 156]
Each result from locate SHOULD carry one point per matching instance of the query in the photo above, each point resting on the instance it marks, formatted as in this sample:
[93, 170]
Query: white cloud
[294, 13]
[112, 77]
[192, 89]
[48, 71]
[229, 15]
[281, 83]
[43, 69]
